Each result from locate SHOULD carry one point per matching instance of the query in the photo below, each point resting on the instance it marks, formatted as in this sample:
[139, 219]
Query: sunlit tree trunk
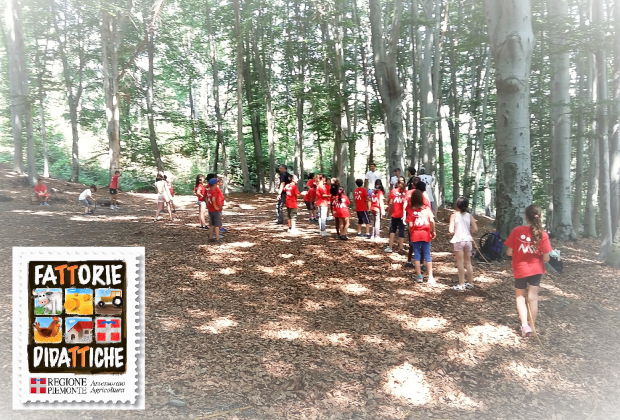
[615, 143]
[41, 66]
[216, 90]
[254, 119]
[602, 133]
[388, 83]
[562, 228]
[239, 39]
[150, 49]
[512, 41]
[12, 16]
[482, 164]
[428, 101]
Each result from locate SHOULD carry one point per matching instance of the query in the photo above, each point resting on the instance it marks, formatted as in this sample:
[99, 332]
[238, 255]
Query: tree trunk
[428, 100]
[615, 143]
[454, 124]
[150, 48]
[512, 41]
[415, 48]
[266, 90]
[603, 134]
[14, 43]
[480, 134]
[562, 227]
[254, 120]
[388, 83]
[242, 160]
[216, 89]
[580, 138]
[369, 126]
[41, 96]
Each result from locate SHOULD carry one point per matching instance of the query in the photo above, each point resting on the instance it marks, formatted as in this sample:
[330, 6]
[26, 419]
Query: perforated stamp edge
[133, 397]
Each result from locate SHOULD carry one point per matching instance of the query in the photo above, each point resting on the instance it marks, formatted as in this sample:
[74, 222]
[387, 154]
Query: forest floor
[293, 327]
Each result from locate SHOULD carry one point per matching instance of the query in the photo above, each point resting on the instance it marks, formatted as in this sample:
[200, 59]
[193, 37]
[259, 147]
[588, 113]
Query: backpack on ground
[490, 247]
[555, 260]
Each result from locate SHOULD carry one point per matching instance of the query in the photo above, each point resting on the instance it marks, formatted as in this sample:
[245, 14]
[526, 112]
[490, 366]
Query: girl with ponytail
[529, 247]
[340, 210]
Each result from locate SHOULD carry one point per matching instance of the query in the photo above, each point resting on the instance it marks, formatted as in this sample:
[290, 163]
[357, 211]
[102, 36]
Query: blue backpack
[490, 247]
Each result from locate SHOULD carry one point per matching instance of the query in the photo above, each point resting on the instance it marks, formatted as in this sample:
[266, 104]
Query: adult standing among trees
[411, 182]
[281, 193]
[371, 177]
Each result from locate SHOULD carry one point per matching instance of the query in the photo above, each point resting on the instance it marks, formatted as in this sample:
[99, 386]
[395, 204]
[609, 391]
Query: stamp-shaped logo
[76, 335]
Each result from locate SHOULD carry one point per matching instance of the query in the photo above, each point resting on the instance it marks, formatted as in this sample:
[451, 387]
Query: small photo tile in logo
[47, 301]
[108, 330]
[108, 301]
[47, 329]
[79, 330]
[79, 301]
[38, 386]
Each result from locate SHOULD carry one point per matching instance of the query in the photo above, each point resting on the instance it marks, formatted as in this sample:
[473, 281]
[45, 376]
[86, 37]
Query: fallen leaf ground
[280, 326]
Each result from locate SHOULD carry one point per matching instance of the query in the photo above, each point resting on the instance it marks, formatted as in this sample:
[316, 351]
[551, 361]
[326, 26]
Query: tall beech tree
[386, 75]
[561, 117]
[512, 42]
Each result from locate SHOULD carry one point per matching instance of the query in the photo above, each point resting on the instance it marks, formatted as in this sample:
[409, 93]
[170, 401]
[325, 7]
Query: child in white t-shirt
[86, 198]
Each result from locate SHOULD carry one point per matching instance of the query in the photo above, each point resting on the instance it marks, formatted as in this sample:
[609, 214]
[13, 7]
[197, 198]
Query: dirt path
[310, 327]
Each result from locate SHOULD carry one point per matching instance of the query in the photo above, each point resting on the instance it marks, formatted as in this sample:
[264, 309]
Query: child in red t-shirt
[422, 231]
[377, 208]
[310, 198]
[215, 202]
[340, 210]
[40, 190]
[114, 190]
[409, 213]
[200, 193]
[396, 206]
[529, 247]
[292, 192]
[360, 195]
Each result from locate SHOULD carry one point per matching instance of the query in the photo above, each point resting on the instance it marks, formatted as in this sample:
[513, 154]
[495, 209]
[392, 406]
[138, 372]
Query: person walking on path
[529, 247]
[340, 210]
[422, 229]
[163, 196]
[292, 192]
[114, 190]
[396, 207]
[281, 194]
[201, 194]
[377, 209]
[462, 225]
[322, 204]
[371, 177]
[360, 195]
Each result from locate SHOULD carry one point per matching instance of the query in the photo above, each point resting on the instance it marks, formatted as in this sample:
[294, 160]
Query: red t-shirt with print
[214, 194]
[310, 195]
[527, 259]
[398, 202]
[340, 206]
[427, 204]
[319, 195]
[202, 190]
[360, 196]
[421, 228]
[114, 182]
[291, 191]
[375, 200]
[40, 188]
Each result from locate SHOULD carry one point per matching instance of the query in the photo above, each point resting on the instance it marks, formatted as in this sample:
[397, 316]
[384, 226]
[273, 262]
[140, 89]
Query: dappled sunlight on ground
[557, 291]
[218, 325]
[408, 322]
[486, 334]
[408, 382]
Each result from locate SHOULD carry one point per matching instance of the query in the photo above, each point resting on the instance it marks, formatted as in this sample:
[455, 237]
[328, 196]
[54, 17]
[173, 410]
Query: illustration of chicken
[50, 331]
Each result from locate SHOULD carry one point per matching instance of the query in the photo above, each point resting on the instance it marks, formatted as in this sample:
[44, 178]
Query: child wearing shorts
[292, 192]
[40, 191]
[422, 230]
[201, 192]
[309, 199]
[215, 201]
[114, 190]
[529, 247]
[360, 196]
[396, 207]
[340, 210]
[462, 225]
[86, 198]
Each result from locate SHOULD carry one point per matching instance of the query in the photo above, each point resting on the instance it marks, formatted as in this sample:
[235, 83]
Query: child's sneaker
[458, 287]
[526, 330]
[324, 233]
[360, 235]
[409, 264]
[419, 279]
[46, 204]
[469, 286]
[344, 237]
[40, 204]
[368, 236]
[388, 249]
[431, 280]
